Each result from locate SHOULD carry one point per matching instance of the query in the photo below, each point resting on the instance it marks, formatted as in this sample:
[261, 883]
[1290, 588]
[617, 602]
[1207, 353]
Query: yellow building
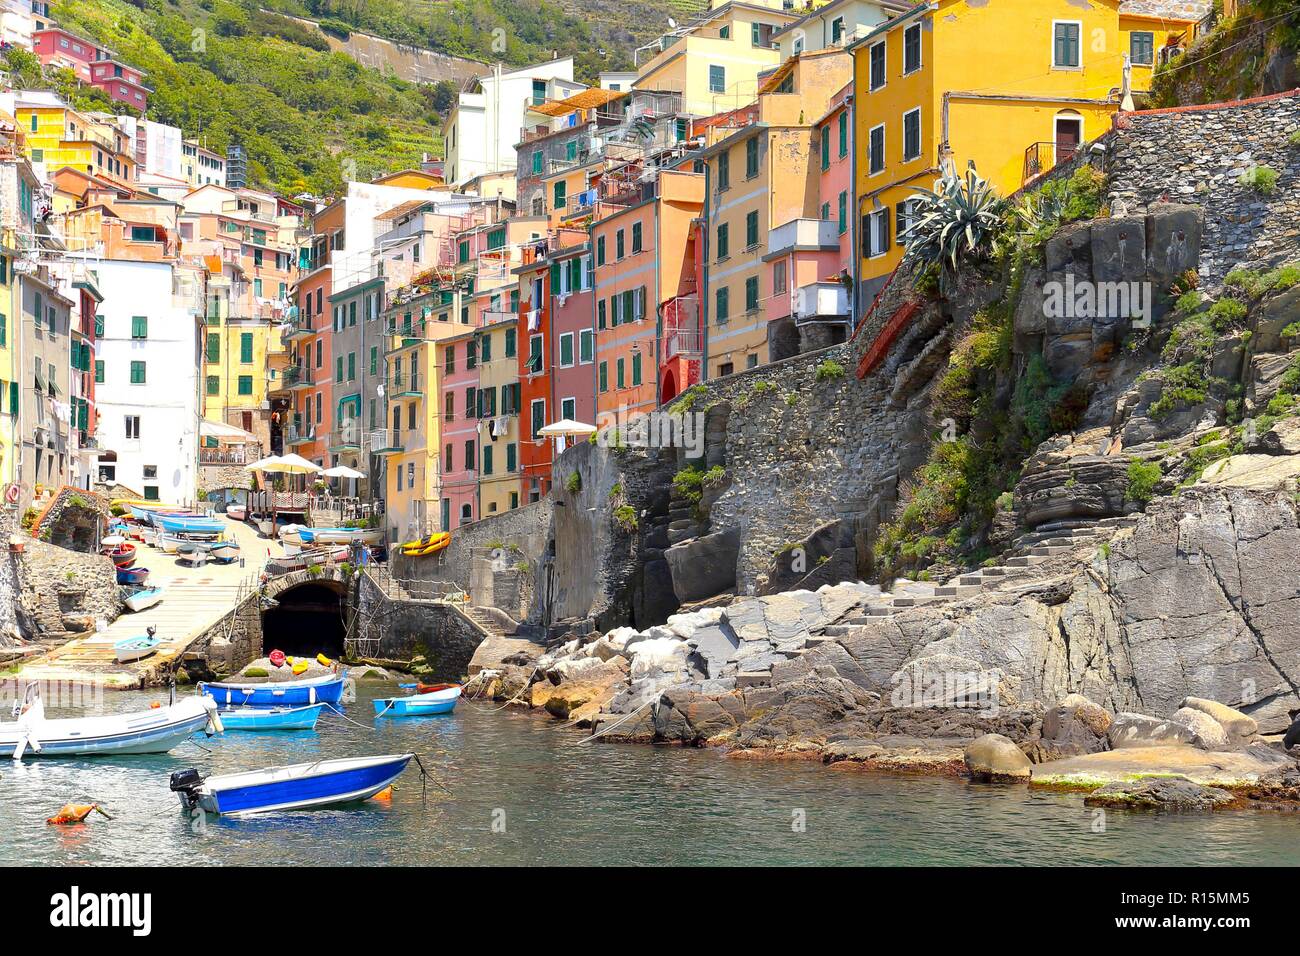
[497, 404]
[9, 387]
[761, 175]
[57, 136]
[413, 429]
[1153, 31]
[1014, 87]
[715, 62]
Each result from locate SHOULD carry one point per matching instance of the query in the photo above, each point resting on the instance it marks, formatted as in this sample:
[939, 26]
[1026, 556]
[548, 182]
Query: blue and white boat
[189, 524]
[302, 786]
[136, 648]
[140, 599]
[418, 705]
[272, 718]
[317, 690]
[143, 732]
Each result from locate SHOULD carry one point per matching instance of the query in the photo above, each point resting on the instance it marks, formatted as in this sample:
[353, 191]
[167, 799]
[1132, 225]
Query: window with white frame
[1066, 48]
[912, 49]
[877, 60]
[912, 134]
[875, 228]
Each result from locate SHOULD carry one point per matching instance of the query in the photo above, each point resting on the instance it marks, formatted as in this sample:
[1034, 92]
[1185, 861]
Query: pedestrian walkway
[193, 600]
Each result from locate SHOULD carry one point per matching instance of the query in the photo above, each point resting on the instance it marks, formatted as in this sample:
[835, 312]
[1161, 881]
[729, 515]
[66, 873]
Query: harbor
[521, 790]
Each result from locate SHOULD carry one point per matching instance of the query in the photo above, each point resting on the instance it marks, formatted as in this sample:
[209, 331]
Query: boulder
[1139, 730]
[1171, 794]
[704, 566]
[658, 657]
[1173, 239]
[1094, 716]
[1075, 726]
[1282, 439]
[564, 700]
[996, 759]
[1256, 472]
[1210, 734]
[1234, 722]
[1119, 250]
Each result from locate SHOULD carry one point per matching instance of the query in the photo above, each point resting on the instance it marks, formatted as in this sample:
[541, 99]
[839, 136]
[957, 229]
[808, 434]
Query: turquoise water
[523, 790]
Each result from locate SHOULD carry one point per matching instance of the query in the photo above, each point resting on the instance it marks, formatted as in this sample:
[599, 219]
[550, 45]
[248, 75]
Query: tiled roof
[1188, 10]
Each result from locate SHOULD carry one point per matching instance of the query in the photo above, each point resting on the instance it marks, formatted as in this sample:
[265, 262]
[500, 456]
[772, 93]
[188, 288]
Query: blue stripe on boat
[279, 793]
[287, 694]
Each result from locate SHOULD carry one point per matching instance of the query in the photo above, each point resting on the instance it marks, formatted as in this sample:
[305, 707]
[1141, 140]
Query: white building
[201, 166]
[837, 23]
[148, 399]
[17, 23]
[617, 80]
[354, 261]
[488, 119]
[163, 150]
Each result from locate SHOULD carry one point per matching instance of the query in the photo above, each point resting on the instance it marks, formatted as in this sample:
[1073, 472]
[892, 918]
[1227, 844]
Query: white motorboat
[143, 732]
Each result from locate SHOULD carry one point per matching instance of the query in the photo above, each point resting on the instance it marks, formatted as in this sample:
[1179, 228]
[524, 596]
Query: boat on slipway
[303, 786]
[152, 731]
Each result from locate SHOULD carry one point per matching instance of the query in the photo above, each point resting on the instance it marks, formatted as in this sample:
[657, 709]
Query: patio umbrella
[342, 471]
[289, 465]
[566, 426]
[264, 464]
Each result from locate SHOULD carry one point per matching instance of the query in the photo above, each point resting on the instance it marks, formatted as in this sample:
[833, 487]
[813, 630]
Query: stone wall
[62, 593]
[519, 535]
[439, 633]
[216, 477]
[1197, 155]
[10, 634]
[229, 645]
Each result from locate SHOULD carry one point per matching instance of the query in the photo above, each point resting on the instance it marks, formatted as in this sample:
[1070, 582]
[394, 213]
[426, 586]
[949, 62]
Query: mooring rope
[619, 722]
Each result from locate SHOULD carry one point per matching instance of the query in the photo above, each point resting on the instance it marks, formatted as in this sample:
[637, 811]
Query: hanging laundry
[534, 319]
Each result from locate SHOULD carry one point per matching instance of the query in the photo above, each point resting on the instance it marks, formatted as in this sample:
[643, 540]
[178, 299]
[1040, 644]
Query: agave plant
[959, 219]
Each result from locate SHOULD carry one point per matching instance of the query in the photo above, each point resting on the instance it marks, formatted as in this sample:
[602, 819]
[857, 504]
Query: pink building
[458, 384]
[809, 262]
[573, 341]
[92, 64]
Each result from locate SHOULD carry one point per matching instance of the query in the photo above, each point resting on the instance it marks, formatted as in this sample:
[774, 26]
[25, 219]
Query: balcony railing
[298, 376]
[1043, 157]
[677, 343]
[230, 454]
[803, 234]
[347, 438]
[389, 441]
[398, 386]
[299, 434]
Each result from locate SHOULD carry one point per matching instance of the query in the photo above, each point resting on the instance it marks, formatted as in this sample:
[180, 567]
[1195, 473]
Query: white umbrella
[288, 465]
[567, 426]
[342, 471]
[264, 464]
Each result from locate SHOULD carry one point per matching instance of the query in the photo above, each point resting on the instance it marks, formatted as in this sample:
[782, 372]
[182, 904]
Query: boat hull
[147, 732]
[277, 718]
[286, 694]
[143, 600]
[326, 786]
[421, 705]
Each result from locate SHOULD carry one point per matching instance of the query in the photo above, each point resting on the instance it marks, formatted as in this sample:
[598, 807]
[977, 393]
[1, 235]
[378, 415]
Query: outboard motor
[186, 783]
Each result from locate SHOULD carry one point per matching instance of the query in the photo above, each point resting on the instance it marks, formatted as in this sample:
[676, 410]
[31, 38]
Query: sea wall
[229, 645]
[406, 630]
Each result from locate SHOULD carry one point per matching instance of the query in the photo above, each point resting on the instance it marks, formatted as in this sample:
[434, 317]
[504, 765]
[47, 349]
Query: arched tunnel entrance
[307, 620]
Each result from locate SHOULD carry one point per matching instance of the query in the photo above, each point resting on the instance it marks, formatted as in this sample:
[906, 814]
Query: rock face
[1170, 794]
[1236, 725]
[1208, 732]
[705, 566]
[995, 759]
[1139, 730]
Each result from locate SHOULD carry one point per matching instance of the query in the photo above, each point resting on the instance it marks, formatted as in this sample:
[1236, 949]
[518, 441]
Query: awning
[225, 433]
[566, 426]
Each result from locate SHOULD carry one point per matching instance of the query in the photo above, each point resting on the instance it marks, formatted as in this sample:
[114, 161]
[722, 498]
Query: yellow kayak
[430, 545]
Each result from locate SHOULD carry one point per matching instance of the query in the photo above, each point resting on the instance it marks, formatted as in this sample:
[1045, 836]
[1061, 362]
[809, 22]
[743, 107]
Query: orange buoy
[277, 658]
[155, 705]
[75, 813]
[386, 794]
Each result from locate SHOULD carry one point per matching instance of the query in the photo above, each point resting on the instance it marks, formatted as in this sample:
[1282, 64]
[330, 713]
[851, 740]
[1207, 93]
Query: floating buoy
[324, 661]
[76, 813]
[277, 658]
[156, 705]
[386, 794]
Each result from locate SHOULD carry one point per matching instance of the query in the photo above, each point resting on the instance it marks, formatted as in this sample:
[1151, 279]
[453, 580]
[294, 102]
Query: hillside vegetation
[1255, 53]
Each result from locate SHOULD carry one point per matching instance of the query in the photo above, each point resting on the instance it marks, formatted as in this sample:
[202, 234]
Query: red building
[537, 279]
[93, 64]
[85, 328]
[681, 336]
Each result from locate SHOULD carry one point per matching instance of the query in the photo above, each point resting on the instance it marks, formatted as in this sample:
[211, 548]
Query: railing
[297, 435]
[682, 343]
[297, 376]
[490, 317]
[1042, 157]
[236, 455]
[391, 440]
[402, 385]
[347, 437]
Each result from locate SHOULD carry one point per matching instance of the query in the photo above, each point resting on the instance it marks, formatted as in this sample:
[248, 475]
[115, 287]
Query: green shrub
[686, 400]
[1189, 302]
[1294, 138]
[625, 515]
[829, 370]
[1184, 385]
[616, 490]
[714, 476]
[573, 484]
[1143, 476]
[1225, 314]
[1262, 179]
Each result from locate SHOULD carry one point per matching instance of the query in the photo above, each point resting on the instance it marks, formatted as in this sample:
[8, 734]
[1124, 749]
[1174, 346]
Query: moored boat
[189, 524]
[136, 648]
[304, 559]
[421, 705]
[145, 732]
[141, 599]
[123, 556]
[272, 718]
[298, 787]
[236, 512]
[316, 690]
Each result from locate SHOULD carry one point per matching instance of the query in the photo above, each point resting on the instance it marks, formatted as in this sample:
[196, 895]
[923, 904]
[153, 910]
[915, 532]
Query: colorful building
[715, 62]
[458, 387]
[837, 23]
[572, 353]
[1047, 79]
[1152, 32]
[494, 353]
[761, 175]
[59, 136]
[93, 64]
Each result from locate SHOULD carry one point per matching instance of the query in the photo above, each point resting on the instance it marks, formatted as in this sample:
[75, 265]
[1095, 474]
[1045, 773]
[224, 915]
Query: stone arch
[306, 614]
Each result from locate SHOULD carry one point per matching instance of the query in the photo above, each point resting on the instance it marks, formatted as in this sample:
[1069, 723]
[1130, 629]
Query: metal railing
[1045, 156]
[298, 376]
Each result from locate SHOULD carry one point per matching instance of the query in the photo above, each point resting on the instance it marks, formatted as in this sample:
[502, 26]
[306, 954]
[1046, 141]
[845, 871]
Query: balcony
[403, 386]
[1042, 158]
[803, 235]
[230, 454]
[298, 376]
[681, 336]
[488, 317]
[347, 438]
[389, 441]
[820, 300]
[300, 434]
[297, 327]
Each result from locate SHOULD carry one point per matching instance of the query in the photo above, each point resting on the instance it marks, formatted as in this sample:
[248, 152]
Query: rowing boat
[315, 690]
[421, 705]
[272, 718]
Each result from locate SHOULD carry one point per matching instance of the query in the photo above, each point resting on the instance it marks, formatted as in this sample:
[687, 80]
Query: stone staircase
[1027, 552]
